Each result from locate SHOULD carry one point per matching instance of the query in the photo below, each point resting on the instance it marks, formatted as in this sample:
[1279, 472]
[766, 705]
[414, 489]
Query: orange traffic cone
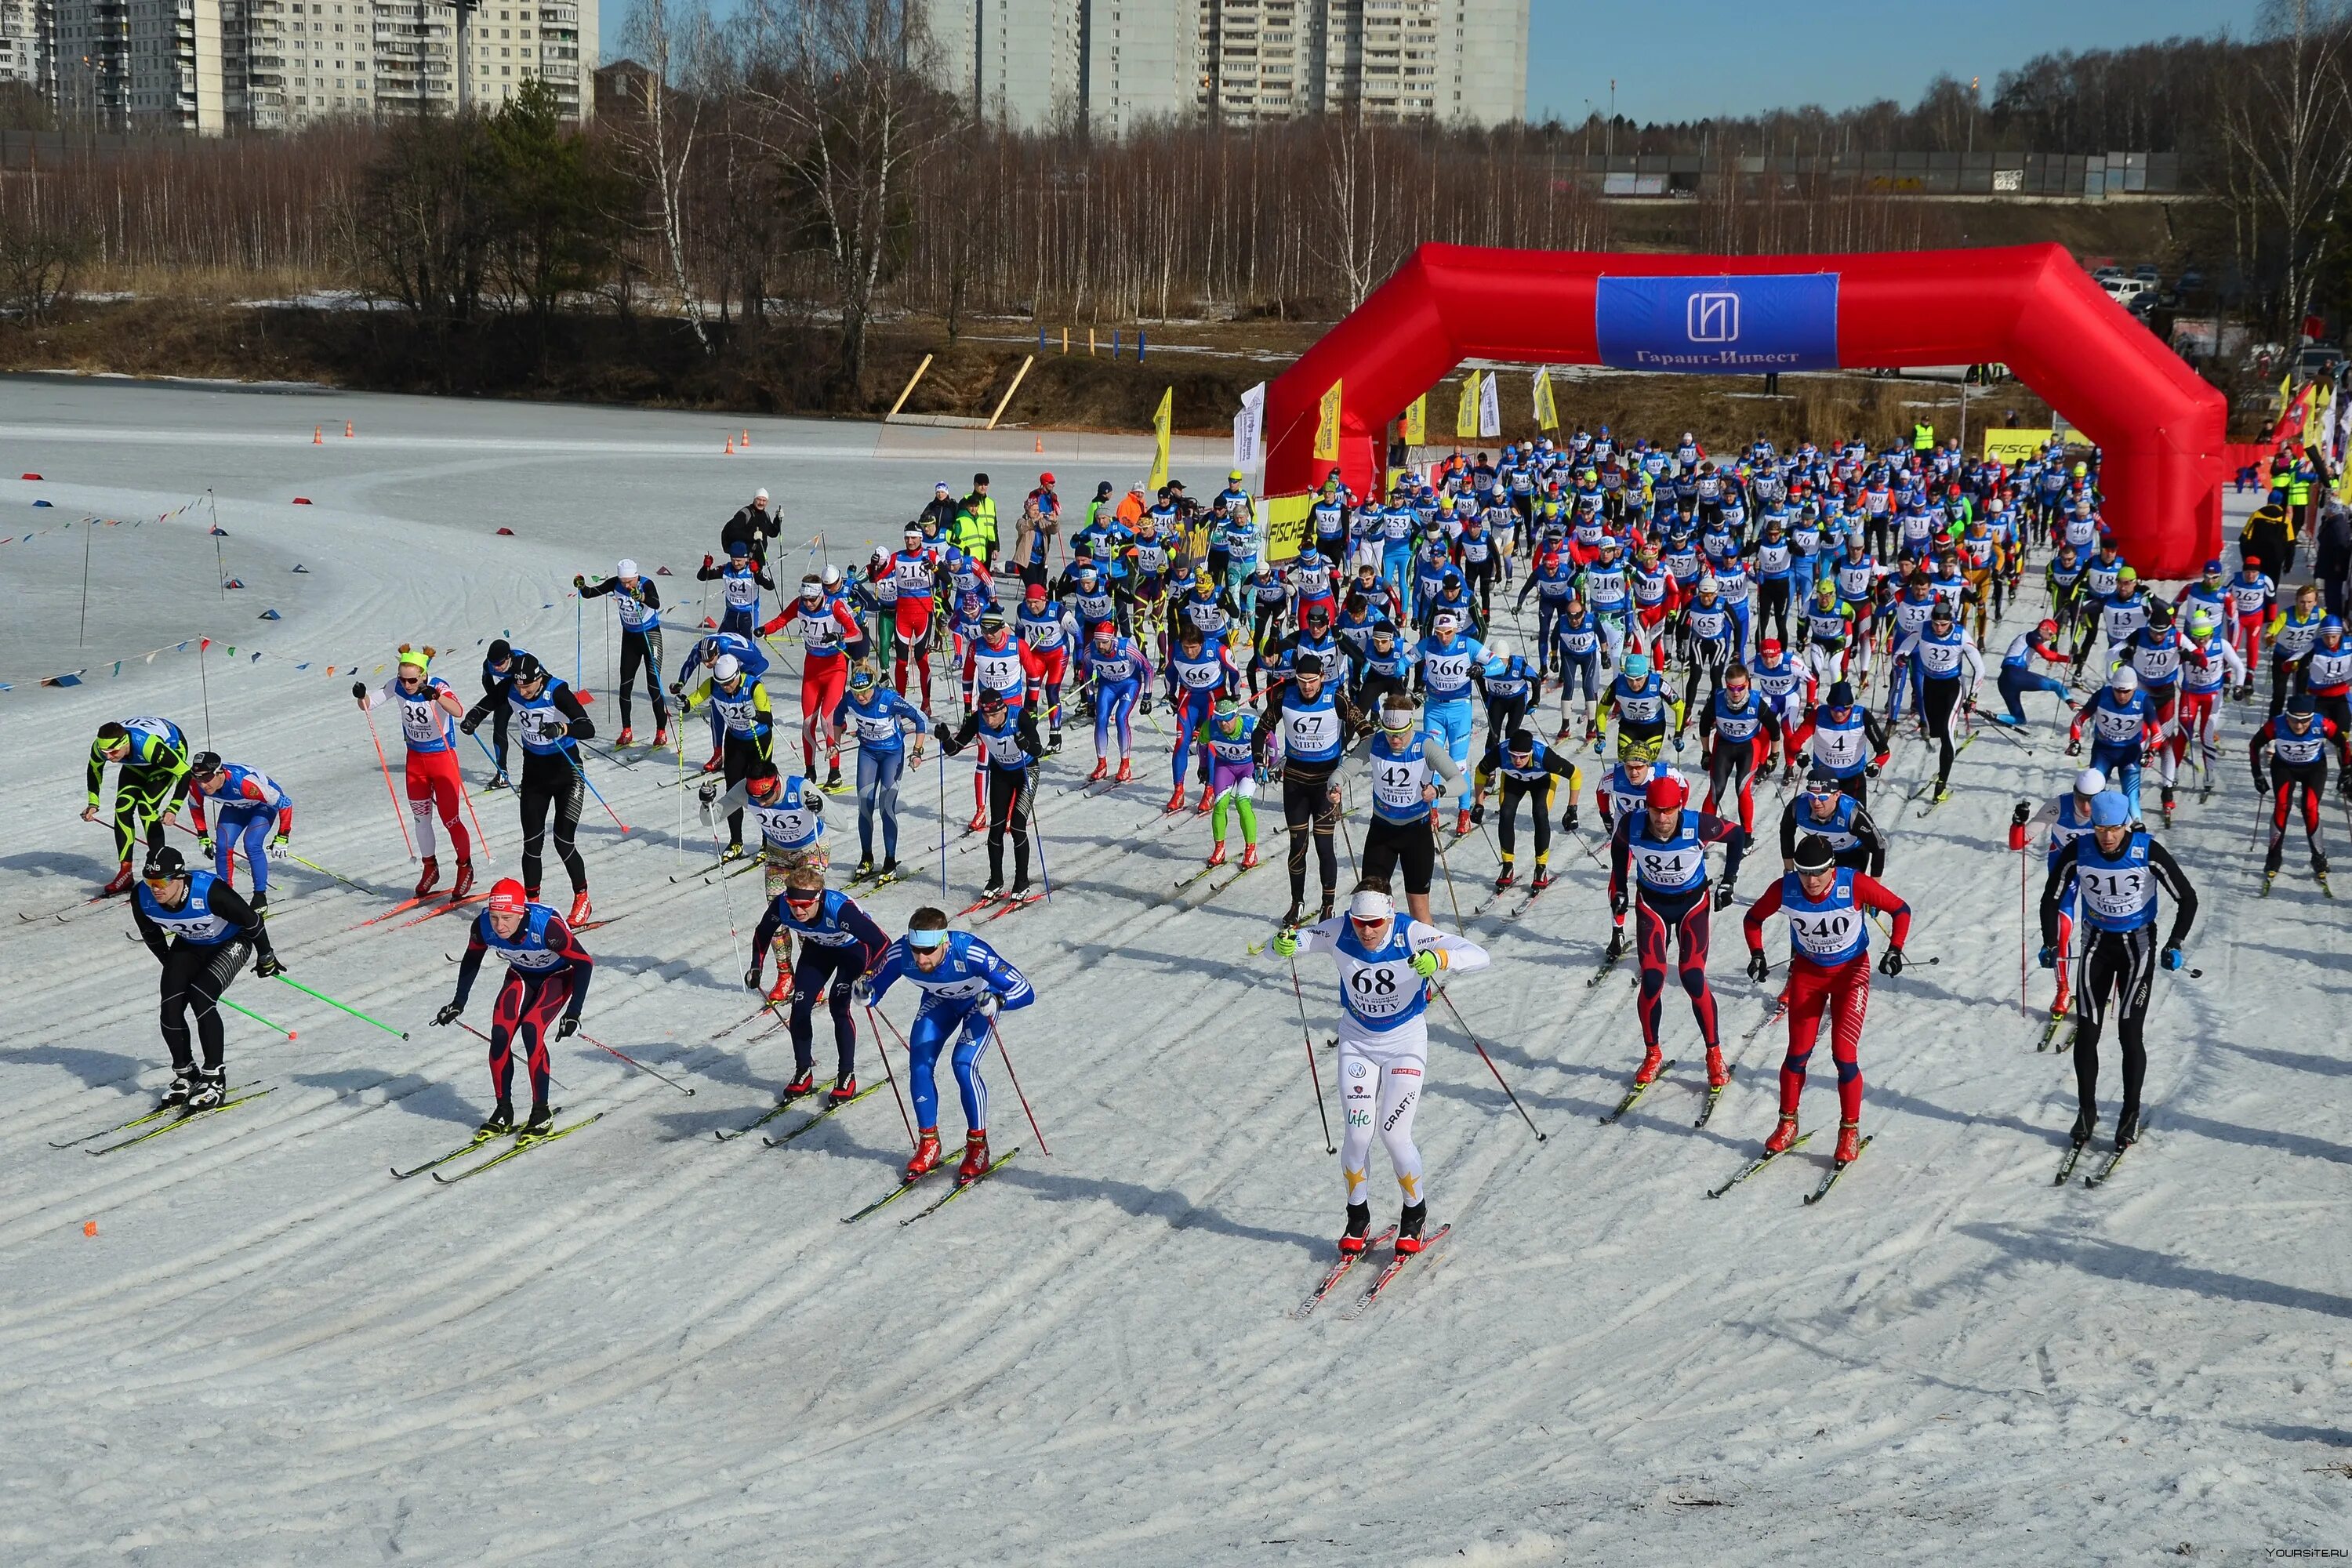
[746, 441]
[318, 435]
[347, 429]
[730, 447]
[1040, 443]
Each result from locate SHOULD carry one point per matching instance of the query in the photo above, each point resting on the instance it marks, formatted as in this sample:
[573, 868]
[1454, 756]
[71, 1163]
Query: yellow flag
[1465, 416]
[1326, 428]
[1547, 411]
[2287, 391]
[1160, 423]
[1416, 421]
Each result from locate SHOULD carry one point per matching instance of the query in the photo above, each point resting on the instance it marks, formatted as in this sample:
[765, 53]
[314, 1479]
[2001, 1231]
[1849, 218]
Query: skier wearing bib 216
[1385, 966]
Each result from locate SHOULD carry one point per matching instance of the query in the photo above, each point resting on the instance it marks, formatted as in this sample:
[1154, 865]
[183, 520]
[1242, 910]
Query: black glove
[579, 581]
[751, 978]
[1870, 770]
[1759, 968]
[2020, 814]
[268, 967]
[707, 793]
[569, 1027]
[1891, 964]
[1567, 822]
[1723, 895]
[448, 1013]
[469, 724]
[945, 736]
[1617, 906]
[1143, 704]
[1479, 815]
[2075, 748]
[359, 690]
[2262, 785]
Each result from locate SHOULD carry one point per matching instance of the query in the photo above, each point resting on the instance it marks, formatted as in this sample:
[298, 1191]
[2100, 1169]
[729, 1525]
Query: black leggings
[740, 751]
[2123, 962]
[551, 780]
[636, 648]
[140, 793]
[826, 972]
[1772, 605]
[1506, 832]
[1309, 810]
[1008, 806]
[1390, 845]
[194, 975]
[1937, 701]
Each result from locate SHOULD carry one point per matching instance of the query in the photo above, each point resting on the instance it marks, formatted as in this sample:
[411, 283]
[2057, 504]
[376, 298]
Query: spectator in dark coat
[753, 526]
[2269, 536]
[2332, 553]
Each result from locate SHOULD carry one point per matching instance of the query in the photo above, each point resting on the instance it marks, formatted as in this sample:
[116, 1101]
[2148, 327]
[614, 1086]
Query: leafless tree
[1357, 206]
[660, 130]
[2287, 120]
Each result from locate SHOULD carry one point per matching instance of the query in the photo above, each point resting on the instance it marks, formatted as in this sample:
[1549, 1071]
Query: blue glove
[2049, 958]
[2171, 958]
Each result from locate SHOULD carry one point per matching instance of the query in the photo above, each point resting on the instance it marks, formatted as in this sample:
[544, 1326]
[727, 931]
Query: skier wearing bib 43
[1385, 966]
[1829, 971]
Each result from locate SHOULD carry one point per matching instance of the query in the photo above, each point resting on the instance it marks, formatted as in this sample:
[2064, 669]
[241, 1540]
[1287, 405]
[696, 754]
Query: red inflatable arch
[2030, 306]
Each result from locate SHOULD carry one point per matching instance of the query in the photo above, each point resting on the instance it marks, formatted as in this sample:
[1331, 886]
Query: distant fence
[2075, 176]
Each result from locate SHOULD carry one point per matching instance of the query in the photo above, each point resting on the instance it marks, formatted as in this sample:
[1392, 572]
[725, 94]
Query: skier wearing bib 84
[1385, 966]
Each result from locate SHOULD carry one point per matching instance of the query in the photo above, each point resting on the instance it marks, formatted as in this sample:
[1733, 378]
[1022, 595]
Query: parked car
[2191, 279]
[2146, 274]
[2318, 361]
[2124, 290]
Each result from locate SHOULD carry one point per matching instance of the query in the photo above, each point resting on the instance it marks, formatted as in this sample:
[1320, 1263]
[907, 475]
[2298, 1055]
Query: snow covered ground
[639, 1345]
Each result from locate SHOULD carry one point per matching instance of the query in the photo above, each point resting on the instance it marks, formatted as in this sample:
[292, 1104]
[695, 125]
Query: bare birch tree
[671, 38]
[2287, 122]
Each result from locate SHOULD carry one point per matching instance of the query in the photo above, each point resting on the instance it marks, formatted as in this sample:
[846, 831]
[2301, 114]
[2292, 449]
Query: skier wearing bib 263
[965, 984]
[1385, 967]
[546, 969]
[202, 933]
[2117, 871]
[428, 713]
[1829, 971]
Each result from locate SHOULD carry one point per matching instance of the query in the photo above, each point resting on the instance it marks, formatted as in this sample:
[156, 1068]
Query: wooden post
[1025, 362]
[910, 390]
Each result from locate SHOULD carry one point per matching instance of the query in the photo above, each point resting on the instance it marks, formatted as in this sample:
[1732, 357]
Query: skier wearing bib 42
[965, 984]
[1407, 768]
[2118, 871]
[1829, 971]
[1385, 967]
[1665, 845]
[428, 711]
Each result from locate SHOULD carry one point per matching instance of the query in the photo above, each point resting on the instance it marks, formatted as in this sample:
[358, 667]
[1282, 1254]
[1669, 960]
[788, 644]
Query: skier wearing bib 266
[1385, 968]
[965, 984]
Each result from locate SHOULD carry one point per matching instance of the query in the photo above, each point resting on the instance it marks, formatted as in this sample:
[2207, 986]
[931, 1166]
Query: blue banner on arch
[1718, 326]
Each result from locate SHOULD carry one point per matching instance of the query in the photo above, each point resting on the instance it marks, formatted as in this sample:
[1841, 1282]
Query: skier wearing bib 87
[1385, 966]
[1828, 971]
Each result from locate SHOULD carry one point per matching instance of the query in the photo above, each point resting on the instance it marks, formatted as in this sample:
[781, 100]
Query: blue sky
[1691, 59]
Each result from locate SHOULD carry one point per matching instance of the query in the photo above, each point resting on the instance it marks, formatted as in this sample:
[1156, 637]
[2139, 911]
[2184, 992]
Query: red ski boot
[975, 1158]
[430, 878]
[661, 734]
[1217, 855]
[926, 1154]
[979, 821]
[1718, 1075]
[1353, 1238]
[782, 991]
[1783, 1135]
[1102, 770]
[580, 910]
[1249, 856]
[1542, 880]
[803, 1082]
[122, 883]
[1462, 825]
[1176, 801]
[1653, 1060]
[1126, 771]
[624, 737]
[1407, 1240]
[843, 1091]
[1849, 1144]
[1207, 802]
[464, 882]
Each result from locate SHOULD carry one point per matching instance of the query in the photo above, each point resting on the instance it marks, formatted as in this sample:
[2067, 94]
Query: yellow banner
[1416, 421]
[1547, 411]
[1287, 521]
[1161, 422]
[1465, 416]
[1326, 428]
[2013, 447]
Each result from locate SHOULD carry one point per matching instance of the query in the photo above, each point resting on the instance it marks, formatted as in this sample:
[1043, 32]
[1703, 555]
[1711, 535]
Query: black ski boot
[889, 869]
[2127, 1128]
[542, 1119]
[1408, 1241]
[501, 1121]
[2086, 1122]
[210, 1089]
[183, 1084]
[865, 869]
[1358, 1226]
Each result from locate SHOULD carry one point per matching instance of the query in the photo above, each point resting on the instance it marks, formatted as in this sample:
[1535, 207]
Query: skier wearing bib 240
[1665, 847]
[1385, 968]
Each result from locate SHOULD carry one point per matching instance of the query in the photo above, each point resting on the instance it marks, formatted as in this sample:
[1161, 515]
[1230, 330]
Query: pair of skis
[1389, 1271]
[1758, 1164]
[909, 1183]
[171, 1117]
[523, 1143]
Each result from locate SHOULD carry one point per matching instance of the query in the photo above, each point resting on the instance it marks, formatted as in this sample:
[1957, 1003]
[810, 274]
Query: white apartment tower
[210, 65]
[20, 43]
[1114, 64]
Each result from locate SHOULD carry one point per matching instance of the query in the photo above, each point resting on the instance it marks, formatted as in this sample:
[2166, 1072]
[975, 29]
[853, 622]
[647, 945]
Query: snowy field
[639, 1345]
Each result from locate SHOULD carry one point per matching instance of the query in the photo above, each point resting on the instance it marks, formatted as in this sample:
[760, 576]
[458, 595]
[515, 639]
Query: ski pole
[488, 1041]
[1038, 831]
[480, 836]
[572, 757]
[734, 932]
[256, 1017]
[1015, 1079]
[338, 876]
[391, 793]
[633, 1061]
[678, 836]
[884, 1051]
[1541, 1137]
[943, 822]
[1440, 836]
[1314, 1074]
[354, 1012]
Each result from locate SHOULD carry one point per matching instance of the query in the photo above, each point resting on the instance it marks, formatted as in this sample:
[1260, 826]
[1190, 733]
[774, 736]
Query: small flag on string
[40, 503]
[299, 567]
[270, 615]
[233, 583]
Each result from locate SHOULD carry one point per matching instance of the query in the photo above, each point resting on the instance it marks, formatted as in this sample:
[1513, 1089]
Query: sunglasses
[796, 897]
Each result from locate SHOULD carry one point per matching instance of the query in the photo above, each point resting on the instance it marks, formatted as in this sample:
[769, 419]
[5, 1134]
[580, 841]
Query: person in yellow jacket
[976, 523]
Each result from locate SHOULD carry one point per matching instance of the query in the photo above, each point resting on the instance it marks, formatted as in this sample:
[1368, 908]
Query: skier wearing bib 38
[1385, 967]
[429, 710]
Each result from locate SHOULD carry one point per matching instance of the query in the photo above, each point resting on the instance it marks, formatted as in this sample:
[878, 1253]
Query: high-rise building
[20, 43]
[1114, 64]
[210, 65]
